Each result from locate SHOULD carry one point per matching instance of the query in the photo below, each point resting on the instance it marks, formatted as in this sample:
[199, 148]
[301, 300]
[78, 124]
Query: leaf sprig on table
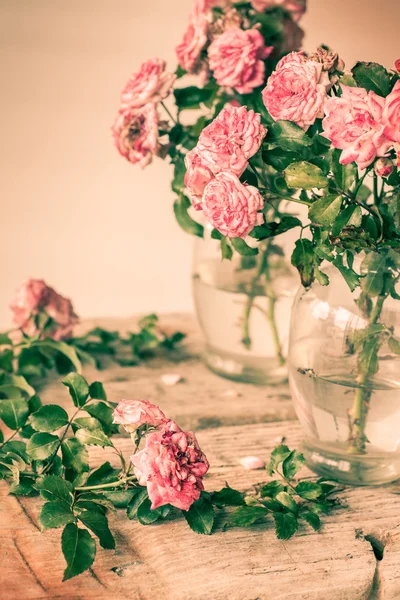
[47, 453]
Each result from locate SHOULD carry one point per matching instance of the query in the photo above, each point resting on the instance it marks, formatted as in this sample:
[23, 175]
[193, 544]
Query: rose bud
[384, 167]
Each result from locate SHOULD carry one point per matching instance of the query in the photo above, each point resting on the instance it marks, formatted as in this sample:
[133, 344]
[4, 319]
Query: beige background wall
[73, 211]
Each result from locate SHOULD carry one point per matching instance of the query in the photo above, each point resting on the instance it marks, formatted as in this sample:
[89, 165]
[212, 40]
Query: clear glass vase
[243, 307]
[344, 371]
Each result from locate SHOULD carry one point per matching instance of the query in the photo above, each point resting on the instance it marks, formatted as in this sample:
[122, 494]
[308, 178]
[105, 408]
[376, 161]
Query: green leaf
[14, 412]
[55, 514]
[97, 522]
[17, 382]
[216, 235]
[102, 413]
[192, 96]
[86, 423]
[42, 445]
[78, 388]
[374, 268]
[304, 261]
[279, 158]
[309, 490]
[271, 489]
[244, 516]
[104, 474]
[349, 275]
[286, 500]
[24, 487]
[97, 437]
[312, 519]
[325, 210]
[140, 495]
[96, 391]
[63, 348]
[321, 277]
[147, 516]
[200, 516]
[368, 363]
[373, 77]
[242, 248]
[6, 360]
[74, 455]
[288, 136]
[5, 340]
[227, 497]
[305, 175]
[79, 550]
[345, 175]
[278, 455]
[285, 525]
[49, 418]
[351, 216]
[226, 249]
[292, 464]
[394, 345]
[181, 206]
[54, 488]
[120, 498]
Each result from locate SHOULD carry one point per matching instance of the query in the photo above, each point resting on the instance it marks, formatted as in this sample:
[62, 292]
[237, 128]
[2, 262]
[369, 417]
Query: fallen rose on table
[162, 477]
[43, 337]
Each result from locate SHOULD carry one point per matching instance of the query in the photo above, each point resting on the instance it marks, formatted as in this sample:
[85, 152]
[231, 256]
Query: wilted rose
[172, 466]
[135, 133]
[383, 167]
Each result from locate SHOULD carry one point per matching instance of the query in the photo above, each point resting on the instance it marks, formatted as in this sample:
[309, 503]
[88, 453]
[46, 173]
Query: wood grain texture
[168, 560]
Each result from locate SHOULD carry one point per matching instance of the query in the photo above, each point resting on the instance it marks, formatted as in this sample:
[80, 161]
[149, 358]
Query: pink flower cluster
[34, 299]
[171, 465]
[235, 55]
[135, 129]
[214, 166]
[362, 124]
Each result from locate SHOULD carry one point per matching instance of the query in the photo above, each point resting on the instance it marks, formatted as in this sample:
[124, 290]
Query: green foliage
[325, 210]
[373, 77]
[200, 516]
[305, 175]
[49, 418]
[181, 207]
[288, 136]
[78, 388]
[14, 412]
[242, 248]
[79, 549]
[303, 258]
[192, 97]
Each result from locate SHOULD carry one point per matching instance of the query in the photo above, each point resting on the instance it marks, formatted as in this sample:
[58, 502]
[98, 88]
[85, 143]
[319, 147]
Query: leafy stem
[104, 486]
[12, 436]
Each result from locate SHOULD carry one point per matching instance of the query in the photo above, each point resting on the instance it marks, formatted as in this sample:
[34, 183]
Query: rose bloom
[231, 206]
[391, 114]
[135, 133]
[152, 83]
[198, 174]
[353, 123]
[297, 8]
[397, 65]
[35, 297]
[231, 139]
[296, 91]
[236, 58]
[194, 39]
[132, 414]
[172, 466]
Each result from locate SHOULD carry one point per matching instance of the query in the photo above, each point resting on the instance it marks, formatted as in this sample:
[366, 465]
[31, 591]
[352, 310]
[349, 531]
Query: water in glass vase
[325, 403]
[245, 325]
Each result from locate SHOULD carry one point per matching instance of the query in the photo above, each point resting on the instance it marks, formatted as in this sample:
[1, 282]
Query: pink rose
[397, 65]
[232, 207]
[236, 58]
[383, 167]
[152, 83]
[172, 466]
[397, 150]
[198, 174]
[34, 298]
[132, 414]
[135, 133]
[391, 114]
[231, 139]
[296, 91]
[353, 123]
[194, 40]
[296, 7]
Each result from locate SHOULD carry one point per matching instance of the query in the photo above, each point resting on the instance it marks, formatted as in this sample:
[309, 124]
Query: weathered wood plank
[336, 564]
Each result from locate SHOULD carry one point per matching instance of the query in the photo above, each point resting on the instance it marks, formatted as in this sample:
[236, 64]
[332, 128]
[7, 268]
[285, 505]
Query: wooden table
[169, 561]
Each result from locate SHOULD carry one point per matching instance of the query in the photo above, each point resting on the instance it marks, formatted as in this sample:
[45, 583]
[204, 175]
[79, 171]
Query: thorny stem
[169, 113]
[104, 486]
